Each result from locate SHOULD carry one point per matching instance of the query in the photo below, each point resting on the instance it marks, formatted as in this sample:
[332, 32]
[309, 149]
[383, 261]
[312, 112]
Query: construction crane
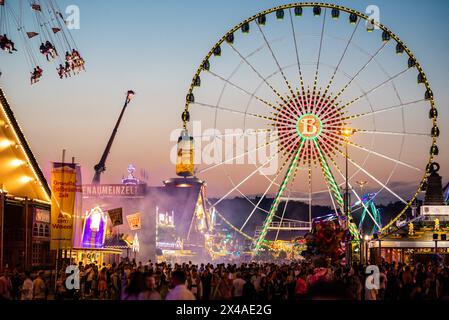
[101, 166]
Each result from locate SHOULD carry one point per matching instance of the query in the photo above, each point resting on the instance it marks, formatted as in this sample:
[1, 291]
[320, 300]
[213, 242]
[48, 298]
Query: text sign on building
[134, 221]
[114, 191]
[42, 216]
[435, 210]
[116, 216]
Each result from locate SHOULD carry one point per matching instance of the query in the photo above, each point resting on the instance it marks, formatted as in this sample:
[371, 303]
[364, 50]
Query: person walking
[39, 287]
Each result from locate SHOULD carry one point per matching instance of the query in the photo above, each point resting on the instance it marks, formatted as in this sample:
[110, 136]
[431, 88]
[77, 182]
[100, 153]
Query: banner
[114, 191]
[134, 221]
[63, 187]
[116, 216]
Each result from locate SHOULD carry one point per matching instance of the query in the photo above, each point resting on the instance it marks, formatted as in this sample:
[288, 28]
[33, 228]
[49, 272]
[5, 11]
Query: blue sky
[154, 47]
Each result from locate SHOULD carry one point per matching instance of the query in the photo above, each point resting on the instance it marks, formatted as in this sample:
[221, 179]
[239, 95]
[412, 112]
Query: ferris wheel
[297, 104]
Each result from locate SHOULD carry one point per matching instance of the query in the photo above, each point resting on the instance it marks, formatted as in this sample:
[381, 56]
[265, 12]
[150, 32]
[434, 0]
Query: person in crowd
[237, 287]
[39, 287]
[150, 292]
[135, 287]
[27, 287]
[179, 291]
[5, 285]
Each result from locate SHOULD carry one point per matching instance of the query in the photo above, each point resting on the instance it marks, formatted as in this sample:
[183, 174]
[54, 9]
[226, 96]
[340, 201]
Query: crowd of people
[246, 282]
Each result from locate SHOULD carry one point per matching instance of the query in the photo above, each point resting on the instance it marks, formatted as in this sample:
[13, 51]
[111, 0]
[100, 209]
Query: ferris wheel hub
[309, 126]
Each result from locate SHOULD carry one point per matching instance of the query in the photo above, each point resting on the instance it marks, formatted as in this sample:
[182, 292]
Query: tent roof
[20, 175]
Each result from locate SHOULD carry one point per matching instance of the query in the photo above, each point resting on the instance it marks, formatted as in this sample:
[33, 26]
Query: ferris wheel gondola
[305, 91]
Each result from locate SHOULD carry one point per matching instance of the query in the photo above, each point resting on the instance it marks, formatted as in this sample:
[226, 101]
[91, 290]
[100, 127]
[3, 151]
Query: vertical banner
[63, 187]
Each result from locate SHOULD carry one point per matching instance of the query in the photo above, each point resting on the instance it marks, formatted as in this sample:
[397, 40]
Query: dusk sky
[154, 48]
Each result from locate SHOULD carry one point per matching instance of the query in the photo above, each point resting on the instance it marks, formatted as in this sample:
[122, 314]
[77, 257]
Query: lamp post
[347, 134]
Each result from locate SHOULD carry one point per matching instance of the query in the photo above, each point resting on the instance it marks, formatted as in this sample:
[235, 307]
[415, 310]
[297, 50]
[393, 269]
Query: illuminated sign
[134, 221]
[435, 210]
[94, 230]
[116, 216]
[309, 126]
[42, 216]
[114, 191]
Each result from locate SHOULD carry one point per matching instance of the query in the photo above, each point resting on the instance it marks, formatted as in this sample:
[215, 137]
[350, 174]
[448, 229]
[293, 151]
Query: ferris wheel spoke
[252, 174]
[356, 194]
[282, 218]
[316, 154]
[301, 78]
[238, 156]
[393, 133]
[331, 81]
[240, 134]
[392, 108]
[252, 95]
[287, 83]
[342, 57]
[375, 179]
[265, 194]
[390, 79]
[258, 74]
[371, 59]
[233, 111]
[315, 81]
[277, 200]
[370, 151]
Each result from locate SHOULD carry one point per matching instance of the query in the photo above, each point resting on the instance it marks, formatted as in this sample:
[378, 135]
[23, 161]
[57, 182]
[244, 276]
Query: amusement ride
[338, 99]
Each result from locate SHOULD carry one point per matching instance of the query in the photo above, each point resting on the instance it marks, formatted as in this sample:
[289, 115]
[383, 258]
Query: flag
[55, 30]
[32, 34]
